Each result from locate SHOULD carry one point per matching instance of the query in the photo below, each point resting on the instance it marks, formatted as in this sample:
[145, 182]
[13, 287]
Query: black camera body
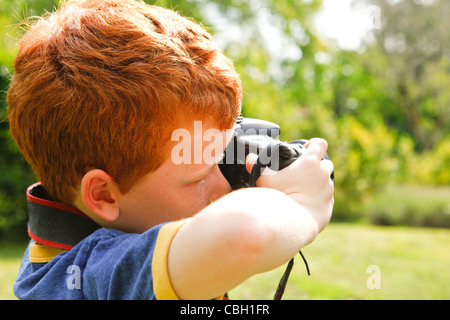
[259, 137]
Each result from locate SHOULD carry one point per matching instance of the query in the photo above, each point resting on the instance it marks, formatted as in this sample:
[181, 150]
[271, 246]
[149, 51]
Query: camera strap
[53, 224]
[286, 156]
[282, 284]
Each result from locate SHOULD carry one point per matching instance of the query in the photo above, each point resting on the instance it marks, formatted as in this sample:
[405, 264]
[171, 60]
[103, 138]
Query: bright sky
[346, 24]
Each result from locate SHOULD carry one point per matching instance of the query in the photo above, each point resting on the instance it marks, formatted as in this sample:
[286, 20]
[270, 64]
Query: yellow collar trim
[42, 254]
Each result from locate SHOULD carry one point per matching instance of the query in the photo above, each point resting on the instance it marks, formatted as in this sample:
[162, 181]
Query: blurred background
[372, 77]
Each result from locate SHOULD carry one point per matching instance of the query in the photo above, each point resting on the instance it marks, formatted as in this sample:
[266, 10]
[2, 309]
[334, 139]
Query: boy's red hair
[103, 83]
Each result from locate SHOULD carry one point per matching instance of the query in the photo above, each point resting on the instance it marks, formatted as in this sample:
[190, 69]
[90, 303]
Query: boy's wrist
[319, 212]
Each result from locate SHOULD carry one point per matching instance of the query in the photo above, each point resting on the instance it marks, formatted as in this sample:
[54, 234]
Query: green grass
[10, 257]
[414, 263]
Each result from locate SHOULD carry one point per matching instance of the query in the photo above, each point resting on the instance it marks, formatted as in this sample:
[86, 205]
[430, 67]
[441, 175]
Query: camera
[259, 137]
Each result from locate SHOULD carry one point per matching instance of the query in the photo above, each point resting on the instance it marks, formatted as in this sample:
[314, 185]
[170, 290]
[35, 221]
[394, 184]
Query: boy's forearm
[246, 232]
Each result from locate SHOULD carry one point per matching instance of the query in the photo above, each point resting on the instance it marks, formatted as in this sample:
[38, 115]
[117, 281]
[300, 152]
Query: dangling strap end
[306, 263]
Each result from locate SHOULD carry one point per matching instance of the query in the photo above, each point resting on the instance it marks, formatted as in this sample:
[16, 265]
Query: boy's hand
[307, 181]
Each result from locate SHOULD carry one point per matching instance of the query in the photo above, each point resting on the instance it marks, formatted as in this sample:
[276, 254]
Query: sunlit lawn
[414, 263]
[10, 257]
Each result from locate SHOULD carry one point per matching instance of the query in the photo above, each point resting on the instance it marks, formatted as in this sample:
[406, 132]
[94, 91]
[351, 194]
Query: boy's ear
[99, 193]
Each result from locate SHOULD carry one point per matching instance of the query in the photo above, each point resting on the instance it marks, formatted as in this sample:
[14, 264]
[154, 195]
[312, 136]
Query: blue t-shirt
[108, 264]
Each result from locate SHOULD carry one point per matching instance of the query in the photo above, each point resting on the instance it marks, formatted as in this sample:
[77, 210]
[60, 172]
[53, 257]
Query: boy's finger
[328, 165]
[250, 160]
[316, 148]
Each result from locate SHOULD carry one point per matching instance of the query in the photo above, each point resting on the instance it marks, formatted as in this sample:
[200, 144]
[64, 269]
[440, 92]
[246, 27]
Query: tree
[413, 42]
[15, 173]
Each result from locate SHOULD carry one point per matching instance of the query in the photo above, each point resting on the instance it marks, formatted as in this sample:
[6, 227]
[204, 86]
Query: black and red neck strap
[54, 224]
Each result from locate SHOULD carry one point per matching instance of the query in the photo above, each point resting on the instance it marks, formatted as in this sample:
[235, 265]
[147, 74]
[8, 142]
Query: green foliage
[15, 173]
[411, 206]
[433, 167]
[413, 46]
[364, 164]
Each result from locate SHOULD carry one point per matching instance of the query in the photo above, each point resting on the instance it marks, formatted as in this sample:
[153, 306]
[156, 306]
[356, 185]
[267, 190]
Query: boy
[98, 90]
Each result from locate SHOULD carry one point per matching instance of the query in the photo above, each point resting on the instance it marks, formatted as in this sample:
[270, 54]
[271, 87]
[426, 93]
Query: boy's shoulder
[108, 264]
[104, 264]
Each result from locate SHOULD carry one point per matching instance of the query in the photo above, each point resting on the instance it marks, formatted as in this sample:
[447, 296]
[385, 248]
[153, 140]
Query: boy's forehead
[196, 141]
[197, 148]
